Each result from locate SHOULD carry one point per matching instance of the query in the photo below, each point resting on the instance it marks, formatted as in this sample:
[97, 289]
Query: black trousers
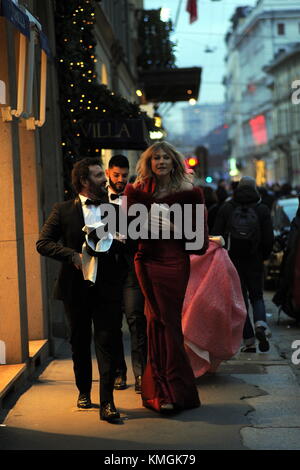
[98, 306]
[133, 307]
[251, 276]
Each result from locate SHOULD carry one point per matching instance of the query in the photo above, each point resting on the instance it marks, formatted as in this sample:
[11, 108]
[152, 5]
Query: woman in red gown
[163, 268]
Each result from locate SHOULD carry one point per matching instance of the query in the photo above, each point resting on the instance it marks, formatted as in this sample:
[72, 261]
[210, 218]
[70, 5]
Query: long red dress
[163, 268]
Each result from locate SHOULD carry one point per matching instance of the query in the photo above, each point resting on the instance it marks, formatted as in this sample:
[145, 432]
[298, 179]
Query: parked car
[283, 212]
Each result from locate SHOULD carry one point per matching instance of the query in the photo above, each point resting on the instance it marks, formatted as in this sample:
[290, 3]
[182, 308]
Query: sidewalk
[46, 417]
[251, 403]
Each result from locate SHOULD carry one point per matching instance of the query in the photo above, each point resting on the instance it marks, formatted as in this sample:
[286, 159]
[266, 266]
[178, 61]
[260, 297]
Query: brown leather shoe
[109, 413]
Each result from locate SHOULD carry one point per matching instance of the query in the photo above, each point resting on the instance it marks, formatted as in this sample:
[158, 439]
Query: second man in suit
[133, 300]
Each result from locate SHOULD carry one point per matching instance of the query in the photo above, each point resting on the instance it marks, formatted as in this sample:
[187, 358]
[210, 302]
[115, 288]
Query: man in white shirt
[133, 299]
[62, 239]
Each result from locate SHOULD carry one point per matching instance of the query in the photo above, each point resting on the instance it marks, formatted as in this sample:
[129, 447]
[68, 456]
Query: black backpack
[244, 225]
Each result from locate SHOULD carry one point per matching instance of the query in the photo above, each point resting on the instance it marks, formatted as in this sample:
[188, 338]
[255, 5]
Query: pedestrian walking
[212, 205]
[162, 267]
[245, 223]
[287, 295]
[87, 302]
[133, 299]
[222, 192]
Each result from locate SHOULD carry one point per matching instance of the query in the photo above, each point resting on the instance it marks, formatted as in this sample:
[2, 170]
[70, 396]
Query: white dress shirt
[91, 213]
[92, 220]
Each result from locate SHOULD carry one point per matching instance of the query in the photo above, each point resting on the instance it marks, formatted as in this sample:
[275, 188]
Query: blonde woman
[162, 267]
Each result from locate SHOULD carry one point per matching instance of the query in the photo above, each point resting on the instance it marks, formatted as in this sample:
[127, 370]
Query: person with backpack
[287, 295]
[245, 224]
[212, 205]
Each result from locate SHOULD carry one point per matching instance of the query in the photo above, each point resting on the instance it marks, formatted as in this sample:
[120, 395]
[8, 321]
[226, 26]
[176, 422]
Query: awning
[171, 85]
[16, 16]
[44, 44]
[21, 21]
[126, 134]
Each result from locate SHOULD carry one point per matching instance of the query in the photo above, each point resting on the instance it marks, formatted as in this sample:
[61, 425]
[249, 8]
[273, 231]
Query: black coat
[246, 195]
[61, 237]
[284, 296]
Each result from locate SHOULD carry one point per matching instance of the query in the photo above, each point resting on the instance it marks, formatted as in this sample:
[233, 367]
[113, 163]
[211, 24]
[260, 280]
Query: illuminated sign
[156, 135]
[116, 133]
[233, 171]
[259, 130]
[260, 167]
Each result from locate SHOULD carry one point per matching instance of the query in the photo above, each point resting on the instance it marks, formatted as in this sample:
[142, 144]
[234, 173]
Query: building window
[281, 29]
[104, 75]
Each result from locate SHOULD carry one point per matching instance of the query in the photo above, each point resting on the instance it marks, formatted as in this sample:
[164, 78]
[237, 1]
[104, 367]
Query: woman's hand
[217, 239]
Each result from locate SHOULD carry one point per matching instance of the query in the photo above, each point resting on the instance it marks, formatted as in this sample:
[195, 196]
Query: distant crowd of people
[250, 269]
[214, 198]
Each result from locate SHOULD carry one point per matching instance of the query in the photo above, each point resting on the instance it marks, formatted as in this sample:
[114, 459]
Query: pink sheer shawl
[214, 311]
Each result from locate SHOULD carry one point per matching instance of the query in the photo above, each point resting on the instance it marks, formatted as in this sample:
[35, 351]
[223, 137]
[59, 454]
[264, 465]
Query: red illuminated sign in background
[259, 129]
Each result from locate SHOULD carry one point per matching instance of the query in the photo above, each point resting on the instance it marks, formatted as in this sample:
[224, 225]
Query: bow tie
[94, 202]
[115, 196]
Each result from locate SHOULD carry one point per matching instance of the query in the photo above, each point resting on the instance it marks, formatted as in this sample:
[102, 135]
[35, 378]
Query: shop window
[2, 92]
[2, 353]
[281, 29]
[104, 75]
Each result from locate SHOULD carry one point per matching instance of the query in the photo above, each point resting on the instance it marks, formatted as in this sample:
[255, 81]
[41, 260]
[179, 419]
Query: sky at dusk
[192, 39]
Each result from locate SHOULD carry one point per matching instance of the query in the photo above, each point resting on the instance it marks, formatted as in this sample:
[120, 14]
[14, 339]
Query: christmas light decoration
[158, 50]
[82, 98]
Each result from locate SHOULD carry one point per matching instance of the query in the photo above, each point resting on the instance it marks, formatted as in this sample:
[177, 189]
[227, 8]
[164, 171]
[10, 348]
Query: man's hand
[77, 260]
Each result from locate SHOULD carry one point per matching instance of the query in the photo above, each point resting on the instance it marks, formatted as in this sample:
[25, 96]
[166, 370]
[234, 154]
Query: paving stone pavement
[252, 402]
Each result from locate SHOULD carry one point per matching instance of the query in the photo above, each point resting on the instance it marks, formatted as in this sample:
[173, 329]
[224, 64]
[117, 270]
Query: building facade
[32, 176]
[285, 143]
[200, 119]
[257, 35]
[116, 34]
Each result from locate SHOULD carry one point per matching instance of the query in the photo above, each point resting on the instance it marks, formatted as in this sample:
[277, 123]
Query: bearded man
[133, 299]
[98, 304]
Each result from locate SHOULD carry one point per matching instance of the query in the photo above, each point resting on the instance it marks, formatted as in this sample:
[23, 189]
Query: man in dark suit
[133, 299]
[99, 304]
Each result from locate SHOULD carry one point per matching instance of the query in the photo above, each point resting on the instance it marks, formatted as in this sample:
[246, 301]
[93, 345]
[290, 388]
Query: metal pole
[177, 14]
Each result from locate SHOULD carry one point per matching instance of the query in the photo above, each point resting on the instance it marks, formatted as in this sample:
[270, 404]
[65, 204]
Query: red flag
[191, 8]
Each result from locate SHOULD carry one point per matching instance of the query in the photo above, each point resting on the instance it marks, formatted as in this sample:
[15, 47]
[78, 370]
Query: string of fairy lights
[83, 99]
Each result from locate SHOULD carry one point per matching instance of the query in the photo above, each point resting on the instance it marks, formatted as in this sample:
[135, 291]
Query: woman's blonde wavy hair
[143, 167]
